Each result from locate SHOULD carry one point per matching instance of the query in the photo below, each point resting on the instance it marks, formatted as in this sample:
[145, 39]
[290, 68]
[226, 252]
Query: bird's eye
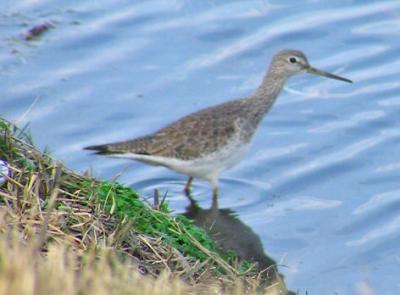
[293, 60]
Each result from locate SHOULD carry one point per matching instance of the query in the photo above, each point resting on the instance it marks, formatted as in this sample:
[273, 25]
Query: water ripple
[329, 161]
[377, 201]
[322, 175]
[390, 228]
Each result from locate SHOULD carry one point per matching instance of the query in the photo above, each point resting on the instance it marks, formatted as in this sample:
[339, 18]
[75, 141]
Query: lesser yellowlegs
[207, 142]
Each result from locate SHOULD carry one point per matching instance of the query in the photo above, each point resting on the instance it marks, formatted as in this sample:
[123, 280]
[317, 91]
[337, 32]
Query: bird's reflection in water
[230, 233]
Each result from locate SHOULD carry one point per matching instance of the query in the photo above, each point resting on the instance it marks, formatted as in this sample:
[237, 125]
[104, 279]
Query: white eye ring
[293, 59]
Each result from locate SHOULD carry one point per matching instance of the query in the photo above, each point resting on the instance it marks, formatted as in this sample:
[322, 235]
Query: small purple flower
[4, 171]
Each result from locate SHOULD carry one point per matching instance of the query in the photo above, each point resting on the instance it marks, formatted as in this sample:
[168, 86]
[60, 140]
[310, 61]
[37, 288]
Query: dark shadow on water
[230, 233]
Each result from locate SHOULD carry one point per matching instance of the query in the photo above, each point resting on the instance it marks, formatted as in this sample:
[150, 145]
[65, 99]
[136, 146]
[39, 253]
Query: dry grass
[65, 233]
[62, 271]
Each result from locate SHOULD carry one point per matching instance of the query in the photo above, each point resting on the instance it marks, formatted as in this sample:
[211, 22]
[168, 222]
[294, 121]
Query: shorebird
[205, 143]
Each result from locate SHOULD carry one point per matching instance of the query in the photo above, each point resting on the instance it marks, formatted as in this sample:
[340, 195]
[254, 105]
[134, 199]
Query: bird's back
[193, 136]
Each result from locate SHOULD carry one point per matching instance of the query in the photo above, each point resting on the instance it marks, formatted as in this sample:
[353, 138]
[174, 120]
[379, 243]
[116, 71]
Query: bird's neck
[265, 96]
[270, 87]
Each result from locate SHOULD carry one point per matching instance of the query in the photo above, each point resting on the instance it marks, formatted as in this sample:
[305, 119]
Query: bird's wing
[192, 136]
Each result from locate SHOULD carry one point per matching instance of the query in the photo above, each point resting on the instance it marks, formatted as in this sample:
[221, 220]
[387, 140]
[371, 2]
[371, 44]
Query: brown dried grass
[57, 237]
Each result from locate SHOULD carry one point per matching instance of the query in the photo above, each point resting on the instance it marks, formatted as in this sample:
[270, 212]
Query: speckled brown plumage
[195, 144]
[193, 136]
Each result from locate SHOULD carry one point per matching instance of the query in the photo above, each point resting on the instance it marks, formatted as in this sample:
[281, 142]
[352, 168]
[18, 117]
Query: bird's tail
[102, 149]
[136, 146]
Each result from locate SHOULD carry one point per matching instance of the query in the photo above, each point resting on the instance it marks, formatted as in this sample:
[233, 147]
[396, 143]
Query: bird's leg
[188, 185]
[214, 205]
[215, 192]
[214, 185]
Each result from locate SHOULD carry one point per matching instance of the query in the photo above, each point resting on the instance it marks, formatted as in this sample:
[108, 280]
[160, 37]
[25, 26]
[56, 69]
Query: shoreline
[47, 209]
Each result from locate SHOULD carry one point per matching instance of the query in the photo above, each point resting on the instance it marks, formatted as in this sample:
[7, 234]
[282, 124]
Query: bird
[207, 142]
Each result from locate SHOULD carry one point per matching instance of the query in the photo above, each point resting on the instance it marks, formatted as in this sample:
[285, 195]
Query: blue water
[320, 185]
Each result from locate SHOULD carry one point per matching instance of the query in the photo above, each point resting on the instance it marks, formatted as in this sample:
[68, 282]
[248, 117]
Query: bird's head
[291, 62]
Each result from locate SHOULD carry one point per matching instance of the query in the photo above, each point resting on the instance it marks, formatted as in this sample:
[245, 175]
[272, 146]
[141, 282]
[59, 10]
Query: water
[320, 183]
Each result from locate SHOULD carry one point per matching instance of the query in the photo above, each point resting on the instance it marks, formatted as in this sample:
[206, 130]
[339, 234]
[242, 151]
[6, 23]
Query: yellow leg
[214, 185]
[188, 185]
[215, 199]
[215, 192]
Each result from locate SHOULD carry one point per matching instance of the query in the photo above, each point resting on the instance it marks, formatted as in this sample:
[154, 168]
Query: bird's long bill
[315, 71]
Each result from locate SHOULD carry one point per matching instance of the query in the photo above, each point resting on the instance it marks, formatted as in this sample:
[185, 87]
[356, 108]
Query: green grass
[178, 231]
[85, 213]
[123, 202]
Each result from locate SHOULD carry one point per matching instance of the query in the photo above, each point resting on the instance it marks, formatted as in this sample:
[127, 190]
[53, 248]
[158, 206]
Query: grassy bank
[67, 233]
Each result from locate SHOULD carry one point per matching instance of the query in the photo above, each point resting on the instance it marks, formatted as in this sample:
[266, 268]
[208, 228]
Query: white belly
[208, 167]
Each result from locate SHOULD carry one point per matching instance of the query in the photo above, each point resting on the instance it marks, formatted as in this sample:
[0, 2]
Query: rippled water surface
[320, 184]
